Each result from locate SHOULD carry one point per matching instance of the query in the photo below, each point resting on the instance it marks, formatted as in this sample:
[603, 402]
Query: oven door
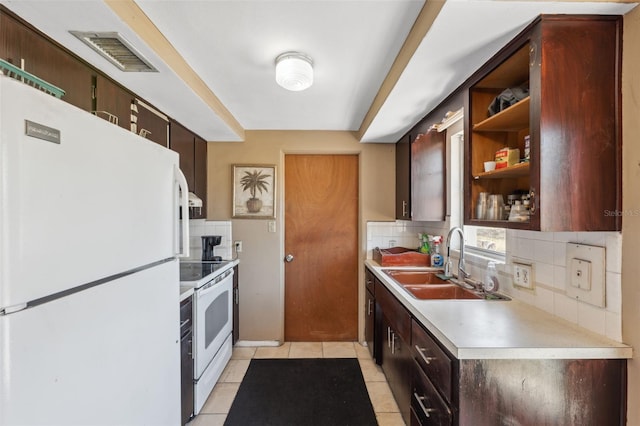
[213, 320]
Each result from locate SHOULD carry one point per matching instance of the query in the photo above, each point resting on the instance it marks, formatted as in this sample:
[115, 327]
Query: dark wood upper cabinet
[200, 175]
[403, 178]
[193, 163]
[182, 142]
[111, 98]
[428, 184]
[22, 44]
[152, 123]
[571, 67]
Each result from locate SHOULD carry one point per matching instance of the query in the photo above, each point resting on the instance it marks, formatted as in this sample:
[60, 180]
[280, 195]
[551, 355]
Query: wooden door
[321, 233]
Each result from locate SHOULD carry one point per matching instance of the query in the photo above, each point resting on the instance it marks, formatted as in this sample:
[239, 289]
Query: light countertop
[185, 292]
[491, 329]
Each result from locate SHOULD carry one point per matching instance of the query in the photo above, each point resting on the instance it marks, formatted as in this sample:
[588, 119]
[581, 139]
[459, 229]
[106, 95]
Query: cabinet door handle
[388, 337]
[185, 322]
[532, 202]
[369, 306]
[404, 208]
[235, 296]
[393, 342]
[422, 352]
[420, 400]
[533, 53]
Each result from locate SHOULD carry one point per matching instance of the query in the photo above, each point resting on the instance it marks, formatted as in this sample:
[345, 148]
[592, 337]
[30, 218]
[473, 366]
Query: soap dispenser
[490, 282]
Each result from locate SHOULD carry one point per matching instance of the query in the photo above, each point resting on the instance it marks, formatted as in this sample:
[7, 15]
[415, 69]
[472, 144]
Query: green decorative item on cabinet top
[16, 73]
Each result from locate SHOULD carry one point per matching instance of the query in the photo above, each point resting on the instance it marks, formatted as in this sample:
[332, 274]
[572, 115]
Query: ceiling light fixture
[294, 71]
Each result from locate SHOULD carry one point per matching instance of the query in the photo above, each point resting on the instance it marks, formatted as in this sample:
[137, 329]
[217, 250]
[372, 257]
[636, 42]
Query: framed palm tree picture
[254, 191]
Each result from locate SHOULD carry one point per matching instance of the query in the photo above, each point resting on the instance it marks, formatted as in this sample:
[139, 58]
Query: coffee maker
[208, 243]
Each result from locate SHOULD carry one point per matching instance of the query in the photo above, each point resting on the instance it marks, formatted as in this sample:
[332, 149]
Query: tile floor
[217, 406]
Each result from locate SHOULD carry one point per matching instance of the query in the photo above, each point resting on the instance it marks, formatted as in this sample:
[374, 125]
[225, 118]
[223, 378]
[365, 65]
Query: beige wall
[631, 206]
[261, 267]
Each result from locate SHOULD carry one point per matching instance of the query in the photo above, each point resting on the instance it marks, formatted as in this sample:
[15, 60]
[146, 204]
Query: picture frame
[254, 191]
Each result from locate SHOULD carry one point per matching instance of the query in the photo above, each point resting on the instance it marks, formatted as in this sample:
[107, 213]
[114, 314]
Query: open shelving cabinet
[571, 67]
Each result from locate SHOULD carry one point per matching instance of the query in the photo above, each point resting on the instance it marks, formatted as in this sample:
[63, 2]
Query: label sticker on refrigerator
[41, 131]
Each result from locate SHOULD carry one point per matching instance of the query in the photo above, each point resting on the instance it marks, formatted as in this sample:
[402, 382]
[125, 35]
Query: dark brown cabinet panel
[193, 163]
[236, 306]
[113, 99]
[46, 60]
[186, 359]
[372, 317]
[403, 178]
[571, 68]
[200, 175]
[542, 392]
[428, 185]
[182, 142]
[395, 352]
[426, 402]
[152, 123]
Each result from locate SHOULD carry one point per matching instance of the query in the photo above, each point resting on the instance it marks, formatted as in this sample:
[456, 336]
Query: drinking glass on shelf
[481, 206]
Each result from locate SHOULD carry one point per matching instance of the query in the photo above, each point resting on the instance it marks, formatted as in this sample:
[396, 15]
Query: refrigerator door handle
[182, 250]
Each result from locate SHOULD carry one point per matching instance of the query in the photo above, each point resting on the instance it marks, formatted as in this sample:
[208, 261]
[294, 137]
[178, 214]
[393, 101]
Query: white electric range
[212, 284]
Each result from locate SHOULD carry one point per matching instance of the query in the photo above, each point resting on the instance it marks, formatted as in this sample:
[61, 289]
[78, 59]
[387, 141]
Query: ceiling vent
[113, 47]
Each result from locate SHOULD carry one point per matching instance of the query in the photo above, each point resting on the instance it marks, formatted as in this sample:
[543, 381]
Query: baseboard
[257, 343]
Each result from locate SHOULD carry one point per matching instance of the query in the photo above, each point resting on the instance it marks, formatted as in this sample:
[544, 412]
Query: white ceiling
[231, 46]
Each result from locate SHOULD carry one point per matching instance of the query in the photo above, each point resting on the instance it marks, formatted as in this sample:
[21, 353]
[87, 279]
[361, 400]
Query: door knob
[289, 258]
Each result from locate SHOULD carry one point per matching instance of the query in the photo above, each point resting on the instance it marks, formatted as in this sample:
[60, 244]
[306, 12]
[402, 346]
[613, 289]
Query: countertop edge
[612, 349]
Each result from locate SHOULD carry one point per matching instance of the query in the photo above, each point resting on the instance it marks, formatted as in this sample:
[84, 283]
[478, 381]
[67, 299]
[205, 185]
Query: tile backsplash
[546, 251]
[200, 227]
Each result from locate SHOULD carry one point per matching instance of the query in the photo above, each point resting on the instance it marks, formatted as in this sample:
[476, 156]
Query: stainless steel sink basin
[426, 285]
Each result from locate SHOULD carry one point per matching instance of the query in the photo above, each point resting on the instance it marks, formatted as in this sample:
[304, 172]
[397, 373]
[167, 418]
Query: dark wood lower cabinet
[427, 405]
[186, 360]
[396, 364]
[432, 387]
[236, 306]
[542, 392]
[369, 322]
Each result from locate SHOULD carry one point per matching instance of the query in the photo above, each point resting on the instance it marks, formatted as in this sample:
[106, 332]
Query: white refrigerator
[90, 233]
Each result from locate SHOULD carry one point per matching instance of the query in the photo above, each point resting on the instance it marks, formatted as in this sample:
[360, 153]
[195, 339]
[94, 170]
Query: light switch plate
[585, 280]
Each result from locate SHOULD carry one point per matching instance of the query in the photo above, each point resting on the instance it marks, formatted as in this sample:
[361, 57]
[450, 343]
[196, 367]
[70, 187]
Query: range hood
[194, 201]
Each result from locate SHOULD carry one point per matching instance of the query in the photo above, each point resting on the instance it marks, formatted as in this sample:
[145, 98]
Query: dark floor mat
[292, 392]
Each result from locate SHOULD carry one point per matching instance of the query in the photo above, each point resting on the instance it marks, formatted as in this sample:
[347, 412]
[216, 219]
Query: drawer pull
[420, 400]
[185, 322]
[388, 337]
[393, 342]
[422, 352]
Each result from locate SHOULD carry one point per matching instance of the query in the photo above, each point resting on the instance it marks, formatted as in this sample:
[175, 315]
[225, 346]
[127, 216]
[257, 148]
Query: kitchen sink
[417, 277]
[446, 291]
[426, 284]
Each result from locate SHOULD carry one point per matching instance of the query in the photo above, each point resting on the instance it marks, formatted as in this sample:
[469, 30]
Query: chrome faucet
[462, 274]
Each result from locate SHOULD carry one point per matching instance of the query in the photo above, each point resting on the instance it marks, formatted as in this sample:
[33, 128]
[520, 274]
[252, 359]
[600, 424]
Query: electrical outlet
[238, 246]
[523, 275]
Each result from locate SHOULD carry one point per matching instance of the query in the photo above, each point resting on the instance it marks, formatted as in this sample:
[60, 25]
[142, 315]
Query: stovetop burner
[197, 271]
